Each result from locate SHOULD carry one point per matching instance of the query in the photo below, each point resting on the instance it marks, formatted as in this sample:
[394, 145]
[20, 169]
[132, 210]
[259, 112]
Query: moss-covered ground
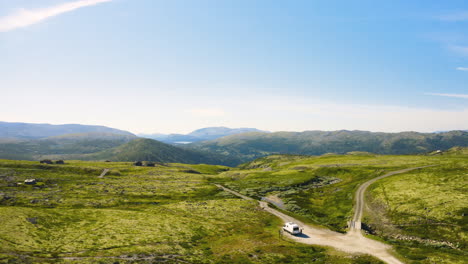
[170, 213]
[422, 213]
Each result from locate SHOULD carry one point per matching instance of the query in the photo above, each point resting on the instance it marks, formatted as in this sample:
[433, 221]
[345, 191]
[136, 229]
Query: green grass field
[171, 213]
[320, 189]
[427, 209]
[427, 205]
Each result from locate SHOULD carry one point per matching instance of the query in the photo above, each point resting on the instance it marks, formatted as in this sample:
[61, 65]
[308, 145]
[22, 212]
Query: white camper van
[292, 228]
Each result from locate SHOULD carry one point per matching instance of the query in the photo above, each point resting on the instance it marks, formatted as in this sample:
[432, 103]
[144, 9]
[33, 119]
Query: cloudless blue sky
[174, 66]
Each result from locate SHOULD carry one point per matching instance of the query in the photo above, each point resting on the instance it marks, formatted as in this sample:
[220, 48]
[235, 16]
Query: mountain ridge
[252, 145]
[37, 131]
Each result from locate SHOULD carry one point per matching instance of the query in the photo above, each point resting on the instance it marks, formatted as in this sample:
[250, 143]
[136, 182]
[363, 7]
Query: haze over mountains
[202, 134]
[214, 145]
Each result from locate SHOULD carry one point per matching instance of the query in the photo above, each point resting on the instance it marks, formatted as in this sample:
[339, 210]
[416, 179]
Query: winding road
[359, 198]
[352, 242]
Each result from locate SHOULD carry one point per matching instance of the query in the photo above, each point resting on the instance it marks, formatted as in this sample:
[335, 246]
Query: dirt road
[352, 242]
[359, 198]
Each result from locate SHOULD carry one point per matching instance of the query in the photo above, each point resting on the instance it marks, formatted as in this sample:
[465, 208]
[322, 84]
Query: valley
[174, 213]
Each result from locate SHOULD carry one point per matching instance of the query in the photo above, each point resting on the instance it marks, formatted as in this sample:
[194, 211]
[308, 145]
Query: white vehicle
[292, 228]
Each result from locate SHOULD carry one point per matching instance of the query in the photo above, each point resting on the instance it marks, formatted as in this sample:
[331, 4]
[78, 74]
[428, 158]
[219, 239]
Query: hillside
[61, 146]
[152, 150]
[36, 131]
[248, 146]
[105, 146]
[203, 134]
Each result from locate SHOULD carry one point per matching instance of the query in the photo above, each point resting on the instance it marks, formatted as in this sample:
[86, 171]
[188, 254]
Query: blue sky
[175, 66]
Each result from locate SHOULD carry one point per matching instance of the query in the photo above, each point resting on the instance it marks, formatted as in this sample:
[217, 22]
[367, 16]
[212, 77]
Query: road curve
[359, 198]
[352, 242]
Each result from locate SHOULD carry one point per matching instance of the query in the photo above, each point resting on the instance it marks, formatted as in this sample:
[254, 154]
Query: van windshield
[296, 228]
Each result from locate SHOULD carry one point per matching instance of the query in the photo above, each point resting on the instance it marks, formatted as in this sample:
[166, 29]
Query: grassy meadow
[422, 213]
[170, 213]
[425, 209]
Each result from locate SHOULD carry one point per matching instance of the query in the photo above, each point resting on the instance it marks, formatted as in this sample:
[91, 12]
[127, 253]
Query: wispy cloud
[454, 17]
[462, 68]
[465, 96]
[461, 50]
[24, 17]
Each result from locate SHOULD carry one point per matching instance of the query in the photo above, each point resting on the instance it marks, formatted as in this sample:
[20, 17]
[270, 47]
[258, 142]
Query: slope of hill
[152, 150]
[248, 146]
[36, 131]
[457, 151]
[60, 146]
[104, 146]
[203, 134]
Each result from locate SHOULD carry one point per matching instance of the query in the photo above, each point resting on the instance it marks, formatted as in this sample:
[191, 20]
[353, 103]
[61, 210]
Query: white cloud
[454, 17]
[24, 18]
[462, 68]
[465, 96]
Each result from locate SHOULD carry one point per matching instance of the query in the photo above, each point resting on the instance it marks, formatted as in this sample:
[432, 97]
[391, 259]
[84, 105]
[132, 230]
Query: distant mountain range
[36, 131]
[202, 134]
[249, 146]
[213, 145]
[81, 142]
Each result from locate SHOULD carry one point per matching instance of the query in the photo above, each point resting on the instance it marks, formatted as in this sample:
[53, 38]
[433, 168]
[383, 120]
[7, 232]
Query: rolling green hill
[152, 150]
[80, 143]
[105, 146]
[248, 146]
